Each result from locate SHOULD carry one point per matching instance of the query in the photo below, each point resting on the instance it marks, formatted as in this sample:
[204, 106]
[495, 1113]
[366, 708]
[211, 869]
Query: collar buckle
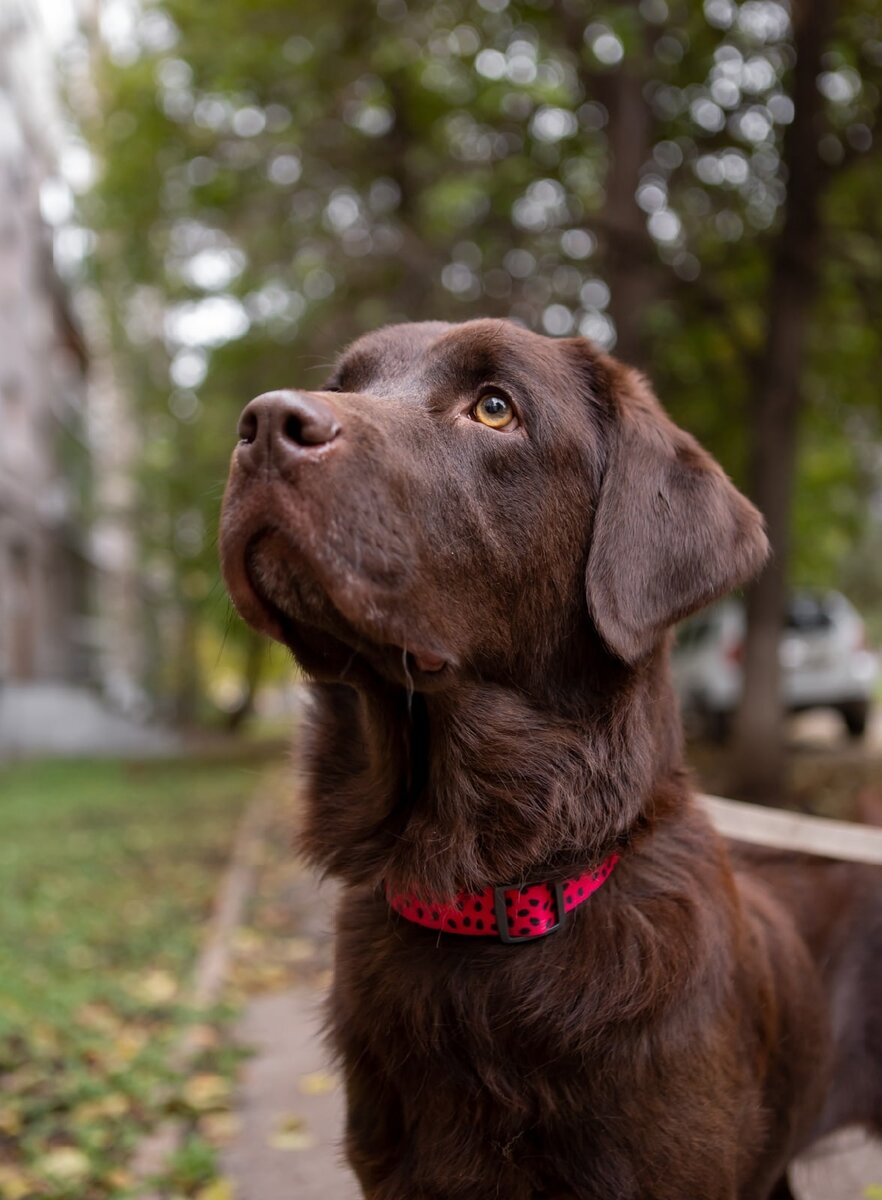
[501, 913]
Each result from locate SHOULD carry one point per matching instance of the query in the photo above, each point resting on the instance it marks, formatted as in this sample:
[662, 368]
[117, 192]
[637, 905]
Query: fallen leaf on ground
[121, 1179]
[10, 1120]
[292, 1134]
[97, 1016]
[219, 1126]
[203, 1037]
[124, 1048]
[14, 1184]
[204, 1092]
[113, 1105]
[66, 1164]
[299, 949]
[246, 940]
[318, 1083]
[156, 987]
[218, 1189]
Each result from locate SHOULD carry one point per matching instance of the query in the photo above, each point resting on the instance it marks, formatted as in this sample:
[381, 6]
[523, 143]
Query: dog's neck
[477, 784]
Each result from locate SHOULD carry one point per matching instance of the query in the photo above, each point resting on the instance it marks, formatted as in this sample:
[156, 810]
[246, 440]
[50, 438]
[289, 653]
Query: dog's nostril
[308, 424]
[293, 429]
[284, 423]
[248, 426]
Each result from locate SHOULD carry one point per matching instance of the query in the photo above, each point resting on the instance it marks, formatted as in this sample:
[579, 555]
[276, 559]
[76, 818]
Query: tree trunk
[630, 256]
[776, 408]
[255, 658]
[630, 260]
[187, 682]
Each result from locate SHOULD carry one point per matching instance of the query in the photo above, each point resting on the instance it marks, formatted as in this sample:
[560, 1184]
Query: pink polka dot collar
[509, 913]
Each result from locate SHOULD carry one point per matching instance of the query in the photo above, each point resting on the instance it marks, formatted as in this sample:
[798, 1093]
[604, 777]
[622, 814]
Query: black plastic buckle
[502, 913]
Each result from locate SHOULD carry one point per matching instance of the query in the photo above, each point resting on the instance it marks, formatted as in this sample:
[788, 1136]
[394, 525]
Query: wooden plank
[845, 1165]
[795, 831]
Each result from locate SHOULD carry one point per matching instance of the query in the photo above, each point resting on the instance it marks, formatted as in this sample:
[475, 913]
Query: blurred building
[44, 459]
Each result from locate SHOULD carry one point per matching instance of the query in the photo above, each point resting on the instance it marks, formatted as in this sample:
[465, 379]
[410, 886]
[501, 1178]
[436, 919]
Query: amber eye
[494, 410]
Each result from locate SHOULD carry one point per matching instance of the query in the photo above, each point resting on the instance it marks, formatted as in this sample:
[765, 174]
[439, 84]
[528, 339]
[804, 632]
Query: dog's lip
[251, 603]
[428, 661]
[262, 612]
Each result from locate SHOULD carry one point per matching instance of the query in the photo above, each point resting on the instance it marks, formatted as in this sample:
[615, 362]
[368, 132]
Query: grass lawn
[107, 872]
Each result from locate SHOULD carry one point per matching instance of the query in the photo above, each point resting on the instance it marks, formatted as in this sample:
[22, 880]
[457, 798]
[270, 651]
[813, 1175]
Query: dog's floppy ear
[671, 532]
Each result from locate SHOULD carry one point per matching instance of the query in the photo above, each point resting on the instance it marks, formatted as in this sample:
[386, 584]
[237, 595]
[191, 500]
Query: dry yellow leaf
[269, 975]
[120, 1178]
[66, 1164]
[218, 1189]
[246, 940]
[10, 1120]
[156, 987]
[125, 1047]
[44, 1038]
[219, 1127]
[299, 949]
[318, 1083]
[204, 1092]
[292, 1134]
[113, 1105]
[203, 1037]
[14, 1184]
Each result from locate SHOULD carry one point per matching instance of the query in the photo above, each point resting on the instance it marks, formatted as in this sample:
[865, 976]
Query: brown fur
[485, 615]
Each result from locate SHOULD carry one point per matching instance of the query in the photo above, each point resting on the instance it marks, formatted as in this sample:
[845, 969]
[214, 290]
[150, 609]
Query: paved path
[284, 1031]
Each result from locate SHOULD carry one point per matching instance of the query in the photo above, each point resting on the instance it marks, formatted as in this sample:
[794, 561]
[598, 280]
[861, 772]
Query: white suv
[825, 662]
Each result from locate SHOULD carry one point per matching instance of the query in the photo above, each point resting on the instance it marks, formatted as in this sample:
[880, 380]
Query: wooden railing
[794, 831]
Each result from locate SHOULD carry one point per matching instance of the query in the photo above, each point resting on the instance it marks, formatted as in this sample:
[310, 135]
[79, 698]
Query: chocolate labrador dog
[553, 978]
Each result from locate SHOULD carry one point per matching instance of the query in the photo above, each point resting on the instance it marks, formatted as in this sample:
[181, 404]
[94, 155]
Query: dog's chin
[282, 595]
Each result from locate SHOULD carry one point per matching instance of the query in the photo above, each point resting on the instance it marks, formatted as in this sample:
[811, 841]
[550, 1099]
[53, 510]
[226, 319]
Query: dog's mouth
[329, 623]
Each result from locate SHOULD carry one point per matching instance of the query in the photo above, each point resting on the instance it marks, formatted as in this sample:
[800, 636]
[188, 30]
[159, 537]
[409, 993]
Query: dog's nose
[282, 426]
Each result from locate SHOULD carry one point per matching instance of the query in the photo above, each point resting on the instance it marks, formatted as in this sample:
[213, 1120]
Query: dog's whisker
[409, 679]
[228, 626]
[348, 665]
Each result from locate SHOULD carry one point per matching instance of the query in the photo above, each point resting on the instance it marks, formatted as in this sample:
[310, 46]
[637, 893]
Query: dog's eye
[494, 410]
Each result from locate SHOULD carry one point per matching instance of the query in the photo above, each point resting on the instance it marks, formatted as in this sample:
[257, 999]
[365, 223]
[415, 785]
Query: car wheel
[855, 716]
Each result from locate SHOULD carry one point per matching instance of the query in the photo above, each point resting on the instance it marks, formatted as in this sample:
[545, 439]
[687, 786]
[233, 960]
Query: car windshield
[808, 614]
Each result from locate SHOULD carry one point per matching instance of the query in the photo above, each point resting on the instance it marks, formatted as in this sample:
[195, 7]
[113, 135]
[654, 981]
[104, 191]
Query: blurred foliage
[276, 179]
[108, 872]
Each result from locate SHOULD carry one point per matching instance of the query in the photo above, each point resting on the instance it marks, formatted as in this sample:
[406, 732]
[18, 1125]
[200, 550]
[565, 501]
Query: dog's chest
[509, 1062]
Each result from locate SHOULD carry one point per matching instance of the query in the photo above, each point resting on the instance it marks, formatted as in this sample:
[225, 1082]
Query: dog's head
[465, 499]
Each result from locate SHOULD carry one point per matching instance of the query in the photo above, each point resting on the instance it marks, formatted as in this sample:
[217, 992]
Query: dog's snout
[281, 426]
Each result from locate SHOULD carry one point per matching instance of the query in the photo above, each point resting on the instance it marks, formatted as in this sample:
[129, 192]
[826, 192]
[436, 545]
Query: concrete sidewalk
[292, 1119]
[287, 1146]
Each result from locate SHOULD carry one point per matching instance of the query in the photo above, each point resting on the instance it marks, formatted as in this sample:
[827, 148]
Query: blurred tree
[690, 182]
[777, 397]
